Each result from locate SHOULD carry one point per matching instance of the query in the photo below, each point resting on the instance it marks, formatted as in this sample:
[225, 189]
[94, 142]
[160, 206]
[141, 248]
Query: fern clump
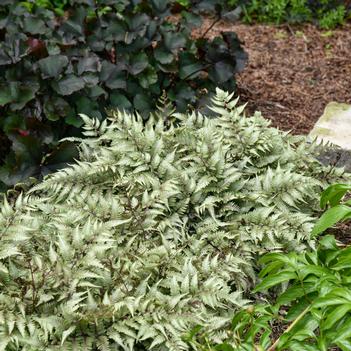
[155, 229]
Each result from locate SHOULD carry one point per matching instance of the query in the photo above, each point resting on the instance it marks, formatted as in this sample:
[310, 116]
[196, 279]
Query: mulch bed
[293, 72]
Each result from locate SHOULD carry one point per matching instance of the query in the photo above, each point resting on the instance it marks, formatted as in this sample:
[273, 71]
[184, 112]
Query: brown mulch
[292, 72]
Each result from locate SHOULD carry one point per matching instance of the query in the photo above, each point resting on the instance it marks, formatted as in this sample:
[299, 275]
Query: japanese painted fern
[154, 230]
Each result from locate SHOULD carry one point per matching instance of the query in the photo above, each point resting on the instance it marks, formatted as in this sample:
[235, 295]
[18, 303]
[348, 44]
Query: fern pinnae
[155, 229]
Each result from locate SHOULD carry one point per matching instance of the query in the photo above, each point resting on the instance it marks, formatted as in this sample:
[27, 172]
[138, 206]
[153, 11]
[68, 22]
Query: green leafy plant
[328, 14]
[313, 310]
[55, 5]
[313, 313]
[334, 17]
[338, 211]
[98, 55]
[155, 229]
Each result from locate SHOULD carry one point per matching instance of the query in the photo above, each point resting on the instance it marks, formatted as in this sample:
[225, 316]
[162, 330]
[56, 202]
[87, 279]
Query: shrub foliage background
[96, 55]
[154, 230]
[326, 13]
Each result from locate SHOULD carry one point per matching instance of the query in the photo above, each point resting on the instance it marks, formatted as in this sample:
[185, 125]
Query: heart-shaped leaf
[174, 41]
[163, 56]
[5, 96]
[222, 72]
[25, 94]
[160, 5]
[88, 64]
[138, 63]
[190, 71]
[120, 101]
[148, 77]
[55, 108]
[34, 25]
[142, 103]
[52, 66]
[113, 76]
[68, 85]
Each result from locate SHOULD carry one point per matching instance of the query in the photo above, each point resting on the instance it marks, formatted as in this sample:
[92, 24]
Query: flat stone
[334, 125]
[336, 157]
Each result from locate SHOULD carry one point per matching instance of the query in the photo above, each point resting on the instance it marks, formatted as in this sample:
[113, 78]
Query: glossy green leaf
[281, 257]
[138, 22]
[333, 194]
[224, 347]
[56, 108]
[163, 56]
[34, 25]
[191, 71]
[329, 300]
[331, 217]
[174, 41]
[120, 101]
[160, 5]
[342, 263]
[297, 308]
[90, 79]
[343, 344]
[275, 279]
[68, 85]
[328, 242]
[192, 20]
[74, 26]
[142, 102]
[5, 59]
[113, 77]
[313, 269]
[52, 66]
[64, 153]
[222, 72]
[17, 94]
[73, 119]
[88, 64]
[5, 96]
[148, 77]
[272, 267]
[138, 63]
[300, 346]
[305, 327]
[294, 292]
[97, 91]
[343, 332]
[335, 315]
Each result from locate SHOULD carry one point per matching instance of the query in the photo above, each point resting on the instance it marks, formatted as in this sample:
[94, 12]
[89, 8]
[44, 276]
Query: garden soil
[292, 72]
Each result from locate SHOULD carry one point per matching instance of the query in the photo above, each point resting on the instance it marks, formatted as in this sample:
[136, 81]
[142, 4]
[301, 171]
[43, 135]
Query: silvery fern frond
[155, 229]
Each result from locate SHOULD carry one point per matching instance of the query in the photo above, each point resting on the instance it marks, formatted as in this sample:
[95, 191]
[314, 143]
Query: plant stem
[292, 325]
[217, 19]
